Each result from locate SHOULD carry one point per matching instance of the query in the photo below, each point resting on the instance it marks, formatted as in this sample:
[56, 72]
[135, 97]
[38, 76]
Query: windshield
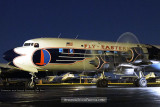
[31, 44]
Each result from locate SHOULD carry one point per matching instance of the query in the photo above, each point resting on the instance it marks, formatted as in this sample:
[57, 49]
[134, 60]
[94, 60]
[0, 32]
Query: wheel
[135, 83]
[98, 83]
[102, 83]
[142, 82]
[5, 84]
[30, 84]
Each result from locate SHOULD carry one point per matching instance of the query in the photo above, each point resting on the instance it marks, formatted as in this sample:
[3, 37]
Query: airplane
[43, 55]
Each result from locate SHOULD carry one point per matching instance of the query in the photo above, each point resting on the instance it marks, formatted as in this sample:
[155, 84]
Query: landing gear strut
[31, 83]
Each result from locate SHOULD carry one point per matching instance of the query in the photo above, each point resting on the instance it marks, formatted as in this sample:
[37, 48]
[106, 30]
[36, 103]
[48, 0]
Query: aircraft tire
[102, 83]
[142, 82]
[30, 85]
[135, 83]
[98, 83]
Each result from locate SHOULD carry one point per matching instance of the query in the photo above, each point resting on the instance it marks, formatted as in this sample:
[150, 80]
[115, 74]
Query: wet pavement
[50, 96]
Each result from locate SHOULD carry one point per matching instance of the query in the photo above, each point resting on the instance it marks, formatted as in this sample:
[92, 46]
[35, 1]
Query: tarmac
[53, 95]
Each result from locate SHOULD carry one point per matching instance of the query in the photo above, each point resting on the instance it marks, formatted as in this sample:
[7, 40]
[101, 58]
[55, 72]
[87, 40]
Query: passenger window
[60, 50]
[100, 52]
[36, 45]
[71, 51]
[115, 52]
[88, 52]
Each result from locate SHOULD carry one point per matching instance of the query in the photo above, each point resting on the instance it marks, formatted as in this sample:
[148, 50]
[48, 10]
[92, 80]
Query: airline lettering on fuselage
[106, 47]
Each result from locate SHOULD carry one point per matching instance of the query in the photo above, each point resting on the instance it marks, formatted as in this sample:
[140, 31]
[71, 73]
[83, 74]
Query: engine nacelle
[136, 53]
[124, 70]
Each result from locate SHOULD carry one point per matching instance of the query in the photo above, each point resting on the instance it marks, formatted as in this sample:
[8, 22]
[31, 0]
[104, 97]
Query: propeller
[134, 49]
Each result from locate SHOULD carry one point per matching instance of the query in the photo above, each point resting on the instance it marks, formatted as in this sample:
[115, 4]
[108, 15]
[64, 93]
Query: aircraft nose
[10, 55]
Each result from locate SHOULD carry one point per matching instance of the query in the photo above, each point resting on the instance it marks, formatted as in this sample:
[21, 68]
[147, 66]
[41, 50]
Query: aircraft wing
[7, 66]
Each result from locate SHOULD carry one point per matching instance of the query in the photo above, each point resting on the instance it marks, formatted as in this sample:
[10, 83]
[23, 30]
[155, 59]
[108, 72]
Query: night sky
[21, 20]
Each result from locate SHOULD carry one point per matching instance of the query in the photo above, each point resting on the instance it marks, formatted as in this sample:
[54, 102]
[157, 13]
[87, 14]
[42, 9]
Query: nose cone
[10, 55]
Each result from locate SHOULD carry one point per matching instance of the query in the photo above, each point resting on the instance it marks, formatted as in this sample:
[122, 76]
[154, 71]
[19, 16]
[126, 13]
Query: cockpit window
[32, 44]
[36, 45]
[27, 44]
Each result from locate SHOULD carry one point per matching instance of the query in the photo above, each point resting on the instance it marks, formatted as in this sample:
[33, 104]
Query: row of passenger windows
[61, 50]
[102, 52]
[32, 44]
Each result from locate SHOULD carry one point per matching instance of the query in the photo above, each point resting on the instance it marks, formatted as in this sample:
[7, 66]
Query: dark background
[21, 20]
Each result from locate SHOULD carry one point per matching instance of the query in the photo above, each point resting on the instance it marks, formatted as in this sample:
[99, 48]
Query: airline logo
[106, 47]
[41, 57]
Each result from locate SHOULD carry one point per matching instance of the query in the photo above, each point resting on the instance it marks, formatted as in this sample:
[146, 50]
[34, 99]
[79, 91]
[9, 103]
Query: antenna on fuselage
[59, 35]
[76, 37]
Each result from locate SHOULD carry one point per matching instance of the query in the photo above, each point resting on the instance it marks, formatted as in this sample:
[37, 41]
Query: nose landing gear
[31, 84]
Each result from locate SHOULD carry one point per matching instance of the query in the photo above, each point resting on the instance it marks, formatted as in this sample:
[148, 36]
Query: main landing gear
[102, 81]
[141, 80]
